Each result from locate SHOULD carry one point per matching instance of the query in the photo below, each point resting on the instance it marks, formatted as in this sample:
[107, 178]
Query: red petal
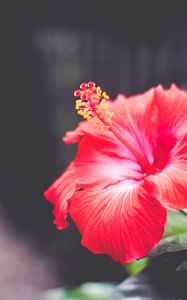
[172, 181]
[122, 221]
[59, 194]
[106, 158]
[172, 185]
[172, 110]
[136, 119]
[84, 128]
[98, 163]
[74, 136]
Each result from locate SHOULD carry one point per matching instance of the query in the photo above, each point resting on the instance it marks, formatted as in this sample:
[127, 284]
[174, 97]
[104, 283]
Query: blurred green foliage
[137, 266]
[175, 236]
[175, 239]
[87, 291]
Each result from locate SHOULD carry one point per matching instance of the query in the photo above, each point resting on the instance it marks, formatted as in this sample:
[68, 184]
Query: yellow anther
[107, 120]
[93, 105]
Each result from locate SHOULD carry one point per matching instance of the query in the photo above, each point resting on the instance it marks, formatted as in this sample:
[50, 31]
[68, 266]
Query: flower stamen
[93, 105]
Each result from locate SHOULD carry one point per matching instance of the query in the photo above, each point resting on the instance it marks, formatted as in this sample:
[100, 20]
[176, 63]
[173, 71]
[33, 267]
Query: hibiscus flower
[128, 170]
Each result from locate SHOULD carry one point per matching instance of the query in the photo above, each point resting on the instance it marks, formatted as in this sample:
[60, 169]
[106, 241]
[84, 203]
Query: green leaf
[176, 223]
[137, 266]
[175, 235]
[54, 294]
[91, 291]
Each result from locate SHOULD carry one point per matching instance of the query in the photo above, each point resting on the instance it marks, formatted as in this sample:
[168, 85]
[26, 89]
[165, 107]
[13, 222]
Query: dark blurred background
[47, 49]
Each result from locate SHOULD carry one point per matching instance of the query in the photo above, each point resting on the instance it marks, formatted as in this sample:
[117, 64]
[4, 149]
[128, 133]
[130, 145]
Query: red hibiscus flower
[129, 168]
